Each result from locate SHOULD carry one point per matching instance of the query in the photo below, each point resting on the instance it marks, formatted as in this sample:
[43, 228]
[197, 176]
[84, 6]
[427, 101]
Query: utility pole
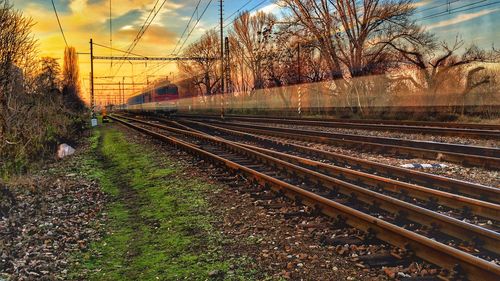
[110, 33]
[120, 94]
[221, 59]
[92, 77]
[298, 63]
[123, 92]
[228, 66]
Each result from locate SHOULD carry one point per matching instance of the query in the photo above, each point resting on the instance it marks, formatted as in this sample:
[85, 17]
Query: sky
[472, 20]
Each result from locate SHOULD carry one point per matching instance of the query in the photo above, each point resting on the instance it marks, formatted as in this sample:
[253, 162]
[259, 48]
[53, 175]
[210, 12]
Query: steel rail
[423, 247]
[453, 201]
[462, 132]
[430, 145]
[398, 123]
[426, 150]
[489, 240]
[478, 191]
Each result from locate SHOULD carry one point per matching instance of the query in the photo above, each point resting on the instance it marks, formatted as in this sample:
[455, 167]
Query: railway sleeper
[294, 174]
[477, 269]
[400, 189]
[432, 181]
[485, 161]
[383, 259]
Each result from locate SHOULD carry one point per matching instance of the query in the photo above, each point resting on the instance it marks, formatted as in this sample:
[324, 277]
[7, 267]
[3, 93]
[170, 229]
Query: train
[160, 96]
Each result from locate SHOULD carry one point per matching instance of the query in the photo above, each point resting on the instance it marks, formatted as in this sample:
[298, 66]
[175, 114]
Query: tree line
[368, 50]
[39, 102]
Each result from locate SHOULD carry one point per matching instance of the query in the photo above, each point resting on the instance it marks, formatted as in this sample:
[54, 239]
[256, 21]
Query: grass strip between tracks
[157, 226]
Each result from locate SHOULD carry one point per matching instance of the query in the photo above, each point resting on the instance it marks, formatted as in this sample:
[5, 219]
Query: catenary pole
[221, 58]
[92, 77]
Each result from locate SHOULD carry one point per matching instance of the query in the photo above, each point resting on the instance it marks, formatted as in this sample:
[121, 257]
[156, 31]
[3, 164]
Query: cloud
[77, 5]
[85, 19]
[269, 9]
[155, 35]
[461, 18]
[421, 3]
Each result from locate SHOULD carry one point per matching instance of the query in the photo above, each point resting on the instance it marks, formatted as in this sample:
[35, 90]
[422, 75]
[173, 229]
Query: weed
[158, 227]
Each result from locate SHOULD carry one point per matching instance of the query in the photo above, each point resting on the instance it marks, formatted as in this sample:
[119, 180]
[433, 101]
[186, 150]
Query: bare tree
[71, 80]
[433, 72]
[17, 47]
[33, 118]
[250, 37]
[204, 72]
[317, 17]
[354, 37]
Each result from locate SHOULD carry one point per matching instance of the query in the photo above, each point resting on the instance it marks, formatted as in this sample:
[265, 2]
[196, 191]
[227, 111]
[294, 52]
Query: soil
[46, 217]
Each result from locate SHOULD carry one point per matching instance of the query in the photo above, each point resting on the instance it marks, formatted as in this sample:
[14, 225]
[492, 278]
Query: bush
[34, 117]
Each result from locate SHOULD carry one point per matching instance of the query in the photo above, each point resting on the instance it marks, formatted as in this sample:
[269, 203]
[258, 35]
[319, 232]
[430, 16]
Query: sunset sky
[473, 20]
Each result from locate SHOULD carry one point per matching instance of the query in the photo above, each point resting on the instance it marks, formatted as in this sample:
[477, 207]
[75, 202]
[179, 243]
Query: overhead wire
[59, 23]
[192, 29]
[118, 50]
[187, 26]
[110, 35]
[437, 6]
[253, 8]
[194, 26]
[238, 10]
[143, 29]
[481, 6]
[458, 9]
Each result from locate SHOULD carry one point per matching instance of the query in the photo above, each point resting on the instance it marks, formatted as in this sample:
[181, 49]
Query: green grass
[158, 227]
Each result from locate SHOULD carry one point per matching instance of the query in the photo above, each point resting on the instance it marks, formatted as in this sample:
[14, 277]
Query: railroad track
[403, 225]
[477, 156]
[424, 127]
[371, 178]
[454, 186]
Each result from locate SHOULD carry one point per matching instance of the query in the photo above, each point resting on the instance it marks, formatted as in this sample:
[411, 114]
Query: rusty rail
[428, 249]
[453, 201]
[477, 191]
[488, 158]
[447, 225]
[450, 128]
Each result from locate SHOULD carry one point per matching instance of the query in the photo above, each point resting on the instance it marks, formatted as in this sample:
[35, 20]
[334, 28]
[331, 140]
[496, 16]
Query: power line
[149, 23]
[241, 8]
[458, 9]
[253, 8]
[480, 6]
[187, 26]
[235, 12]
[118, 50]
[448, 11]
[238, 10]
[59, 22]
[138, 35]
[192, 29]
[143, 29]
[110, 34]
[437, 6]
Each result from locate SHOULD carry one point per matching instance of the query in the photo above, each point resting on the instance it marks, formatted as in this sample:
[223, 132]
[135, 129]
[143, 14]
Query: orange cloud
[155, 35]
[84, 20]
